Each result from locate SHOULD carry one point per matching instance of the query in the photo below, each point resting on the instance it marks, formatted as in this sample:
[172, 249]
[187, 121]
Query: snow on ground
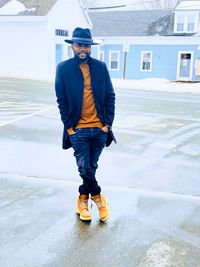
[150, 84]
[158, 84]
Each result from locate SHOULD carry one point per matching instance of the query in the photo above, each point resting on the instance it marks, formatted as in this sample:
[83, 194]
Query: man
[86, 101]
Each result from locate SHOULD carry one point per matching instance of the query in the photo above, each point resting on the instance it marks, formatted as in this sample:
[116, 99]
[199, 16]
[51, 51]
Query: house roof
[3, 2]
[34, 7]
[188, 5]
[132, 23]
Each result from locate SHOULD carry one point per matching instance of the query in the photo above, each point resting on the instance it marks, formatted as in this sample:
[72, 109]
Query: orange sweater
[89, 116]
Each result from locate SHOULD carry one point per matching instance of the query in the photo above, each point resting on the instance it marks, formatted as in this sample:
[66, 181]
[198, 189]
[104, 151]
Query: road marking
[18, 113]
[156, 115]
[165, 195]
[2, 103]
[118, 129]
[181, 100]
[166, 145]
[25, 117]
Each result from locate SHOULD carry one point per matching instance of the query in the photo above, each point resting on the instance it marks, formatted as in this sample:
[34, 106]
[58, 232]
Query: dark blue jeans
[88, 144]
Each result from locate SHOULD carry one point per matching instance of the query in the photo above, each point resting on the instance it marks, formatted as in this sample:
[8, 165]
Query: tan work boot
[82, 208]
[102, 205]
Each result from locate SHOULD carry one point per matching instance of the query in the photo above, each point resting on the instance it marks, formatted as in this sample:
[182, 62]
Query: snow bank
[157, 84]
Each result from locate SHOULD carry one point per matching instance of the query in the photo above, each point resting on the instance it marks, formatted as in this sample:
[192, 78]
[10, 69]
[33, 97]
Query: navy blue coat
[69, 86]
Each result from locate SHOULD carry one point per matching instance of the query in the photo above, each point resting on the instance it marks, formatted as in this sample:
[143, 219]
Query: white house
[32, 35]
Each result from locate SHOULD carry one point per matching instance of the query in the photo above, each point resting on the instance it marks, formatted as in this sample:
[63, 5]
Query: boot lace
[98, 203]
[84, 204]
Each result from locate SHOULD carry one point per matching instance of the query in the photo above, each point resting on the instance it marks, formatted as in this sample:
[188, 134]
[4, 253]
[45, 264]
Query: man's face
[82, 51]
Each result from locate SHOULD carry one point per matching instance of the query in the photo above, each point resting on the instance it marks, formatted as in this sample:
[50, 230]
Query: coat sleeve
[109, 99]
[62, 100]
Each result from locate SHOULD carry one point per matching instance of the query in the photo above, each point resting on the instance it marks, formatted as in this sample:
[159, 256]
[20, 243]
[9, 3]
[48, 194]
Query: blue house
[153, 43]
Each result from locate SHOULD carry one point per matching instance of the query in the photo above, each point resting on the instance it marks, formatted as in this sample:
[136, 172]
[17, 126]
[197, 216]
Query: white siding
[28, 42]
[23, 49]
[65, 15]
[68, 15]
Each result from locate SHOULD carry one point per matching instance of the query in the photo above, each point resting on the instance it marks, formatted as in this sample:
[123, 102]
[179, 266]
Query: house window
[180, 23]
[60, 32]
[186, 23]
[191, 21]
[101, 55]
[146, 61]
[114, 60]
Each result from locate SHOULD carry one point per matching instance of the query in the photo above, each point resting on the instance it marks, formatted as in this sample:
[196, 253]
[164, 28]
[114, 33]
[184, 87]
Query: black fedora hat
[81, 36]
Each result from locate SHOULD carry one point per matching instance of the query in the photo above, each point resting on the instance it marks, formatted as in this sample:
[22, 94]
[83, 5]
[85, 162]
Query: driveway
[151, 178]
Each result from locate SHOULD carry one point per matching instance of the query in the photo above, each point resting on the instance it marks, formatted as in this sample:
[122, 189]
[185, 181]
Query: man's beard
[82, 60]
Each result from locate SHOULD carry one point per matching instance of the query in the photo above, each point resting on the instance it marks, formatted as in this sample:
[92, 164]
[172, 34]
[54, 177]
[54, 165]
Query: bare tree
[90, 3]
[168, 4]
[155, 4]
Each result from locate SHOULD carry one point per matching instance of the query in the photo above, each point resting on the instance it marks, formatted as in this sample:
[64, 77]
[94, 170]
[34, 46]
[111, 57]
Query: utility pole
[126, 50]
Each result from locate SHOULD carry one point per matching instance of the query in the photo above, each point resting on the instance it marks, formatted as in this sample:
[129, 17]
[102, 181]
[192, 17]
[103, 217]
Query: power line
[106, 7]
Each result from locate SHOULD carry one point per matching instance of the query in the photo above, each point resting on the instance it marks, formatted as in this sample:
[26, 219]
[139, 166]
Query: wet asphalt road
[151, 178]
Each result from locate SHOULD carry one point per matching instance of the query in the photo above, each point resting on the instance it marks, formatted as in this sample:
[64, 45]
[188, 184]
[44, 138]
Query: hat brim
[80, 42]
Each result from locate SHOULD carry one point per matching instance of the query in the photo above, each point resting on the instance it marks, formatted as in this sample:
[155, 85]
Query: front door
[184, 66]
